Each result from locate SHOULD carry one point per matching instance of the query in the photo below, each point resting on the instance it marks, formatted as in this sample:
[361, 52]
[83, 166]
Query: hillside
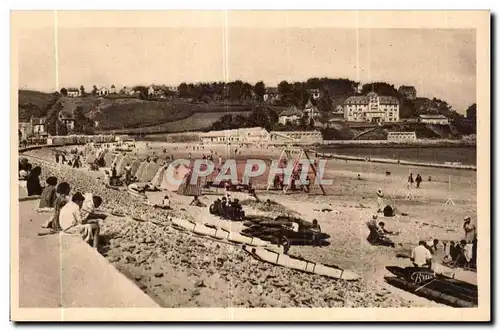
[34, 103]
[196, 122]
[119, 114]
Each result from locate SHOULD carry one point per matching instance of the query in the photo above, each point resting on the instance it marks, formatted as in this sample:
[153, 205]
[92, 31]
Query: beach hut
[178, 174]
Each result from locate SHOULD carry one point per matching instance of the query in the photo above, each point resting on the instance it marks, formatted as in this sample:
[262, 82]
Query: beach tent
[186, 188]
[91, 156]
[158, 178]
[109, 156]
[115, 160]
[120, 167]
[140, 170]
[178, 174]
[149, 171]
[135, 166]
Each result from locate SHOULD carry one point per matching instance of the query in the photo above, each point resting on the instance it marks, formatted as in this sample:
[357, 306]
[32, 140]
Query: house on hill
[434, 119]
[38, 126]
[102, 92]
[291, 115]
[409, 92]
[74, 92]
[372, 108]
[337, 106]
[157, 91]
[68, 121]
[311, 111]
[272, 95]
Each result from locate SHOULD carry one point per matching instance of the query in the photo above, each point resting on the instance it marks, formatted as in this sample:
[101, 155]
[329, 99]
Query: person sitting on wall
[33, 182]
[48, 197]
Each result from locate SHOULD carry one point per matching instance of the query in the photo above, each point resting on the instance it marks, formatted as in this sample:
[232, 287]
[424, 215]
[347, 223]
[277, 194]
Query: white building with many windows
[402, 136]
[434, 119]
[371, 108]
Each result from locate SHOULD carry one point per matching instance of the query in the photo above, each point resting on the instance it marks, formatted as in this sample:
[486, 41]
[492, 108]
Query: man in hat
[469, 229]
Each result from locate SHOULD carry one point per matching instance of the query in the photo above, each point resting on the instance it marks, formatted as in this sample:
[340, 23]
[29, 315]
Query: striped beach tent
[158, 178]
[187, 188]
[150, 170]
[120, 167]
[109, 156]
[140, 170]
[135, 166]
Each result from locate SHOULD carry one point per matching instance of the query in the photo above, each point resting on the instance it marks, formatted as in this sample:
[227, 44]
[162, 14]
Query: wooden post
[315, 171]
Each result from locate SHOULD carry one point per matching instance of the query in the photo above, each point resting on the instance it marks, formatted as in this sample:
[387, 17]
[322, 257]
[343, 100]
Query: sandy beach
[182, 270]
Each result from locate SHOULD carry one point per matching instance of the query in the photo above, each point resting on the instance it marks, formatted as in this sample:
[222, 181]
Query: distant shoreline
[392, 144]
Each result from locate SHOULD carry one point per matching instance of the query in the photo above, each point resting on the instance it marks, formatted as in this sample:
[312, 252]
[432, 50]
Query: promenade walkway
[64, 272]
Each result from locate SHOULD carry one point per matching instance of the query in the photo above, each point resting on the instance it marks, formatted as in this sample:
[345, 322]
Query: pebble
[158, 274]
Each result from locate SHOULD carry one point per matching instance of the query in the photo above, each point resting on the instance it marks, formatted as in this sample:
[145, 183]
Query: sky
[440, 63]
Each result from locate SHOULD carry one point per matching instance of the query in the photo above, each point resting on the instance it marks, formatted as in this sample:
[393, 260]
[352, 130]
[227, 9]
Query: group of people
[462, 253]
[228, 209]
[379, 234]
[417, 180]
[74, 162]
[71, 213]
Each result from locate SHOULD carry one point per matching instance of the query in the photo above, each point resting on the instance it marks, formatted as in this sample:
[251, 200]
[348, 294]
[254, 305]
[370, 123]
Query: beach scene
[291, 187]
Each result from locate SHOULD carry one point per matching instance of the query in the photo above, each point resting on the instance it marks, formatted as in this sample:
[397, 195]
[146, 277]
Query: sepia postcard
[250, 166]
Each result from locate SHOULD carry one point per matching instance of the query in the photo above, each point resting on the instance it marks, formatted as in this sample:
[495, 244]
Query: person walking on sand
[380, 200]
[418, 180]
[410, 180]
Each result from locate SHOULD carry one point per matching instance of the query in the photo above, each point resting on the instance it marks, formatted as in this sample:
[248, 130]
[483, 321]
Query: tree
[381, 88]
[94, 90]
[82, 90]
[284, 89]
[471, 113]
[64, 92]
[259, 90]
[80, 120]
[183, 90]
[54, 125]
